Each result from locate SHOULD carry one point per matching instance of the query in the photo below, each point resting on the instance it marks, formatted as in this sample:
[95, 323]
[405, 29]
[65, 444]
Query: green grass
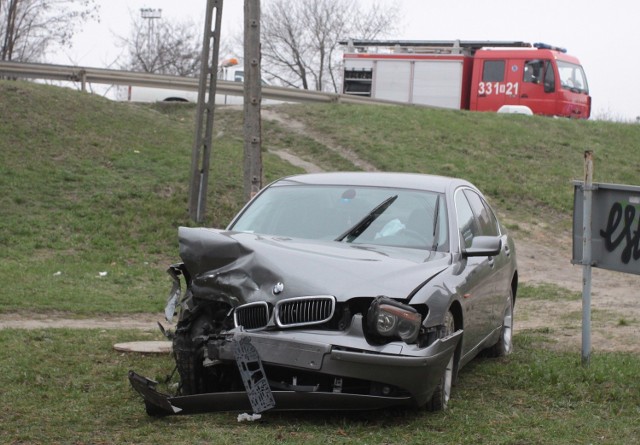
[546, 291]
[89, 186]
[70, 386]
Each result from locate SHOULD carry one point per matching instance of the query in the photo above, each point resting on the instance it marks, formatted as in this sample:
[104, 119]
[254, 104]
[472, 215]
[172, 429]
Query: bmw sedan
[339, 291]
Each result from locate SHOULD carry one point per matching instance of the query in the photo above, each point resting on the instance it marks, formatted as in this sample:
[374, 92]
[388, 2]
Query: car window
[533, 70]
[487, 223]
[572, 77]
[549, 77]
[493, 71]
[467, 224]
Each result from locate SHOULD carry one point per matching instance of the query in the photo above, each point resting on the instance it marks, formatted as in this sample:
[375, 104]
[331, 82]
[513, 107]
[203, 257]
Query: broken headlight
[389, 318]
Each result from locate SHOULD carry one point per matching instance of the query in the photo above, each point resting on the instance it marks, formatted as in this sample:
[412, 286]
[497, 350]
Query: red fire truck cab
[514, 77]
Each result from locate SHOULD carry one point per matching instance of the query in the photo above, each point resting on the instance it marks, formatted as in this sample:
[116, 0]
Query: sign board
[615, 227]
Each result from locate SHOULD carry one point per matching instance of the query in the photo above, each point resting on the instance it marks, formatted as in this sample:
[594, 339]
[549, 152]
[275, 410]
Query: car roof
[413, 181]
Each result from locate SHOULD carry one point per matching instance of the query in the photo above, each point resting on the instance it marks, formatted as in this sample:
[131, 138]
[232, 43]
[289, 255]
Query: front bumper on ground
[162, 404]
[415, 370]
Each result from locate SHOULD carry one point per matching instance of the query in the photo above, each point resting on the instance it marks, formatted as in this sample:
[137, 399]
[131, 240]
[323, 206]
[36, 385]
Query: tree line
[299, 44]
[28, 28]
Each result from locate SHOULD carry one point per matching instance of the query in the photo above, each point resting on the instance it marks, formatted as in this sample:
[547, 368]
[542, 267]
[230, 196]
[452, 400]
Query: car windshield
[357, 215]
[572, 77]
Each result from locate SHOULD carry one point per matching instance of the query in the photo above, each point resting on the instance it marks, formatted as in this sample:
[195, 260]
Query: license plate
[253, 375]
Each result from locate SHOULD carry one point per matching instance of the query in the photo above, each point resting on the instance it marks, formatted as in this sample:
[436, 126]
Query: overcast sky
[603, 35]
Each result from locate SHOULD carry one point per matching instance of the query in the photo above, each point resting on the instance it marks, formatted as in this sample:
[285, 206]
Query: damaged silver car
[339, 291]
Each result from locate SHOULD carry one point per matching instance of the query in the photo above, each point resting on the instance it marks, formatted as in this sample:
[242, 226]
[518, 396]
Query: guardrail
[85, 75]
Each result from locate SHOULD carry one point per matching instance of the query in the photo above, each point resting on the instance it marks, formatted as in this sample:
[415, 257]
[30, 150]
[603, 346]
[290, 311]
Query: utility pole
[252, 100]
[201, 155]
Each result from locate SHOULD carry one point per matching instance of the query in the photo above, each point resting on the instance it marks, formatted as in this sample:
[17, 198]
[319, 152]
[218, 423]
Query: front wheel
[440, 399]
[188, 353]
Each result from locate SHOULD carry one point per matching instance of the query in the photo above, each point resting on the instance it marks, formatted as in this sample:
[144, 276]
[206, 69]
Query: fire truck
[498, 76]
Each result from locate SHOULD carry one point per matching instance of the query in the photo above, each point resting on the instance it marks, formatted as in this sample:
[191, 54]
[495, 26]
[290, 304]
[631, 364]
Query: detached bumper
[159, 404]
[347, 355]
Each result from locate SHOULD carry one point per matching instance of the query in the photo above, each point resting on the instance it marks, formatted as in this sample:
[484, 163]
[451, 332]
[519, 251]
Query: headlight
[388, 318]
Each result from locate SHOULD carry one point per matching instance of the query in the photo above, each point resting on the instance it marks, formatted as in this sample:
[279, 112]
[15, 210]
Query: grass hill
[88, 185]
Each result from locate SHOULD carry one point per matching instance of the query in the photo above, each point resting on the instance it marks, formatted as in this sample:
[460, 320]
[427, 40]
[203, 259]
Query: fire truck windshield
[572, 77]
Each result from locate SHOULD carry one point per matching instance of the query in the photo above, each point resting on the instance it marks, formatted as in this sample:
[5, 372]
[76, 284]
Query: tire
[189, 367]
[190, 349]
[188, 354]
[504, 346]
[440, 398]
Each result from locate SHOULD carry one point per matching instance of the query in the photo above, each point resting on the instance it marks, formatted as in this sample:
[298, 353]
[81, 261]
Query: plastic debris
[391, 228]
[57, 274]
[102, 274]
[244, 417]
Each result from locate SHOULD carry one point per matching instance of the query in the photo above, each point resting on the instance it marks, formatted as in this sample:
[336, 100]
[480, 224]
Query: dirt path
[615, 302]
[272, 114]
[22, 320]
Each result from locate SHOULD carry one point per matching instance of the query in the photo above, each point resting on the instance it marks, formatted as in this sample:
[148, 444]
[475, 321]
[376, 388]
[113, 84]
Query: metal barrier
[85, 75]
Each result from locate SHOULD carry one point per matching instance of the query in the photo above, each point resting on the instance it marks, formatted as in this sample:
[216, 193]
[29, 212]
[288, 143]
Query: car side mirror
[483, 246]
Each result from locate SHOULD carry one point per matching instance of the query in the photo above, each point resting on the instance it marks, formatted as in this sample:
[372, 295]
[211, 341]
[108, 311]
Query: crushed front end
[254, 333]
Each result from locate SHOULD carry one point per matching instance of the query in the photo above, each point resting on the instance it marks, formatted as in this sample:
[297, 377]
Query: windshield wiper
[365, 222]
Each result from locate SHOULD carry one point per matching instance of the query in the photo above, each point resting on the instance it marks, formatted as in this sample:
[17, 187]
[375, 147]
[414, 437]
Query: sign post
[606, 234]
[586, 258]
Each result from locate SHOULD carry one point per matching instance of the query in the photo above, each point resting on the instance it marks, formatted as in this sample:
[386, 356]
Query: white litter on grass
[102, 274]
[57, 274]
[244, 417]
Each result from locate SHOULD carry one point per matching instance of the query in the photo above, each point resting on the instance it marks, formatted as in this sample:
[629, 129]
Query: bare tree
[159, 46]
[29, 27]
[300, 38]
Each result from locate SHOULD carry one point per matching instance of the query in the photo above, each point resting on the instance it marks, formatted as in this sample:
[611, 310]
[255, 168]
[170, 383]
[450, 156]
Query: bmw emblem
[278, 288]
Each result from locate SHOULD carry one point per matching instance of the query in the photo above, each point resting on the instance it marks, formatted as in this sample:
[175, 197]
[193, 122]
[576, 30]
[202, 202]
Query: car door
[537, 88]
[490, 92]
[476, 288]
[498, 277]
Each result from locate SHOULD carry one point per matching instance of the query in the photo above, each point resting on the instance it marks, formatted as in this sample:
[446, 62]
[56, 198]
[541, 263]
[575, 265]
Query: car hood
[246, 267]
